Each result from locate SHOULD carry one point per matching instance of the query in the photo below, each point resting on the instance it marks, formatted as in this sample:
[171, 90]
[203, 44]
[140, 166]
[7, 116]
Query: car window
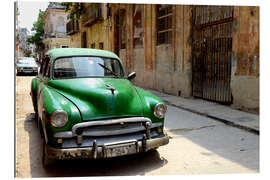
[71, 67]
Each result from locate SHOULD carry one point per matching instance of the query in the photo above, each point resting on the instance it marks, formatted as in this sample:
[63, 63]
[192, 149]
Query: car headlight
[59, 118]
[160, 110]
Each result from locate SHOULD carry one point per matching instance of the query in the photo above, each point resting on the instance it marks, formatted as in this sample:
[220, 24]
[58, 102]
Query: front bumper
[95, 151]
[27, 70]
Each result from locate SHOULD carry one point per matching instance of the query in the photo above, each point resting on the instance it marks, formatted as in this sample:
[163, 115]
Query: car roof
[65, 52]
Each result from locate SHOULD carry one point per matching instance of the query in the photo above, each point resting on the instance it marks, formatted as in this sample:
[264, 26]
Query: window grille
[164, 24]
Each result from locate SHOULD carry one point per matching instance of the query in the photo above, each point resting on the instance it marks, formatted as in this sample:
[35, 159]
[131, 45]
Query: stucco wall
[75, 40]
[95, 33]
[55, 43]
[245, 58]
[139, 65]
[55, 21]
[98, 33]
[245, 90]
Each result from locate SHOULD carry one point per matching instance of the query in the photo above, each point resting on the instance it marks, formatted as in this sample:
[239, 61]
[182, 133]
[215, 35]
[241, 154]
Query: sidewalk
[213, 110]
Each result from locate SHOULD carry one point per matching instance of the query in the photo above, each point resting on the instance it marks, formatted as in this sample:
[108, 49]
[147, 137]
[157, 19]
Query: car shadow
[138, 164]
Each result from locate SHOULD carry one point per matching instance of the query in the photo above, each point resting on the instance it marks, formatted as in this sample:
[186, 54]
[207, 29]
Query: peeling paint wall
[95, 34]
[165, 67]
[246, 58]
[75, 40]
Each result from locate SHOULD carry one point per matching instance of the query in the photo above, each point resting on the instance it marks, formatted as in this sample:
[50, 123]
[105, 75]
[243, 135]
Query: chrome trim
[79, 139]
[155, 110]
[112, 132]
[59, 111]
[109, 122]
[69, 134]
[95, 149]
[98, 151]
[64, 134]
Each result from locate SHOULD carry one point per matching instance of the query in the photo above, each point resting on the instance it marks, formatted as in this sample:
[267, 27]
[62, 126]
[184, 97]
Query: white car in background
[26, 65]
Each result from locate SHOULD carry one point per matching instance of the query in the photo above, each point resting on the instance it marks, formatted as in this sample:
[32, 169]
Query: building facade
[23, 46]
[208, 52]
[92, 30]
[55, 20]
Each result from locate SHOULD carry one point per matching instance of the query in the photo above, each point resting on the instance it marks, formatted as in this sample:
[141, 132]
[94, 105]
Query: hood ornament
[110, 88]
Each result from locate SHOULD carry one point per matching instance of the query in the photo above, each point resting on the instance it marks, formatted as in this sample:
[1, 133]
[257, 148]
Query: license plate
[120, 150]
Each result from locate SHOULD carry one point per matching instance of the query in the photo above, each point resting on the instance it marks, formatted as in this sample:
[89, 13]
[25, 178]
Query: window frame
[141, 45]
[168, 31]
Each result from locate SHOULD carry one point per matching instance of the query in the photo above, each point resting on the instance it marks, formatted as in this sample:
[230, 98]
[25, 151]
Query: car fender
[33, 93]
[49, 101]
[149, 101]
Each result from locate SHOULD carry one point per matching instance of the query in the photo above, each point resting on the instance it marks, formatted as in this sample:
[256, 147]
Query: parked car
[87, 107]
[26, 65]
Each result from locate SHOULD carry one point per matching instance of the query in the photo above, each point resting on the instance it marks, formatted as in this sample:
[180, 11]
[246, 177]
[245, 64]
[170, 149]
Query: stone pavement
[223, 113]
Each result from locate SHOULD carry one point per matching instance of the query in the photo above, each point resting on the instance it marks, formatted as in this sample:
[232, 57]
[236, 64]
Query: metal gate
[211, 52]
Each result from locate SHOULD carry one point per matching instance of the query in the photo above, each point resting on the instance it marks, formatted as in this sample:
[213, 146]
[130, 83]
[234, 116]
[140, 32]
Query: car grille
[112, 129]
[109, 131]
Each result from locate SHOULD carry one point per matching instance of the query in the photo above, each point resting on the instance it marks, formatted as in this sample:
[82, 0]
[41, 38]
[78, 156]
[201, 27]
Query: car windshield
[26, 61]
[72, 67]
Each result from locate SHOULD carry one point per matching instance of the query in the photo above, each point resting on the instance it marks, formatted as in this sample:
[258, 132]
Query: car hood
[95, 100]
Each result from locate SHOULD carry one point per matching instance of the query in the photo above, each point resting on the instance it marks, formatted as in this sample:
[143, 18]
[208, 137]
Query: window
[100, 45]
[93, 45]
[84, 40]
[138, 19]
[64, 46]
[122, 24]
[164, 24]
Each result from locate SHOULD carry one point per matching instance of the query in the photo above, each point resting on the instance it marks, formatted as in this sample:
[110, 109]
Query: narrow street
[198, 145]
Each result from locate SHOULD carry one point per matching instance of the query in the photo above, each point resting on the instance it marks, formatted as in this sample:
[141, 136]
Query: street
[198, 145]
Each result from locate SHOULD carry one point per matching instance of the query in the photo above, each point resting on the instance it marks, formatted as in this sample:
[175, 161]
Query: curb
[230, 123]
[225, 121]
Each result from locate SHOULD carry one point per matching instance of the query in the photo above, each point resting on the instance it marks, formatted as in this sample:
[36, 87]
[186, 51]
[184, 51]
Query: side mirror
[131, 75]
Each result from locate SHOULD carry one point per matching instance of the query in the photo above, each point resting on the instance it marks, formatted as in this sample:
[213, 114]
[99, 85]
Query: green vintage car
[86, 107]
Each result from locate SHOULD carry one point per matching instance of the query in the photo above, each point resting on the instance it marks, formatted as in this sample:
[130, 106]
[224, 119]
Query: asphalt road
[198, 145]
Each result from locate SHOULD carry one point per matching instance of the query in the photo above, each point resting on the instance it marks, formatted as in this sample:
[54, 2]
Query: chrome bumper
[27, 70]
[95, 151]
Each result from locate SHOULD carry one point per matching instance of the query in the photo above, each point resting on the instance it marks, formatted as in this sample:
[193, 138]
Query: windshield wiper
[104, 67]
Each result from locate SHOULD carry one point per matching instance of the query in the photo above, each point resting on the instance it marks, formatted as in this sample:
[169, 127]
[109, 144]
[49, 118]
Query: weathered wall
[139, 65]
[165, 67]
[95, 34]
[55, 21]
[51, 43]
[98, 33]
[75, 40]
[246, 58]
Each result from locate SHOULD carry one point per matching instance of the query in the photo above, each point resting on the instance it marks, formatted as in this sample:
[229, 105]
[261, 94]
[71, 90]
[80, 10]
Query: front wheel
[46, 161]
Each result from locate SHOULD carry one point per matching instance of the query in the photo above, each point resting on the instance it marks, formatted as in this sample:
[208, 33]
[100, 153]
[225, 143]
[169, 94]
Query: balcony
[72, 27]
[91, 14]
